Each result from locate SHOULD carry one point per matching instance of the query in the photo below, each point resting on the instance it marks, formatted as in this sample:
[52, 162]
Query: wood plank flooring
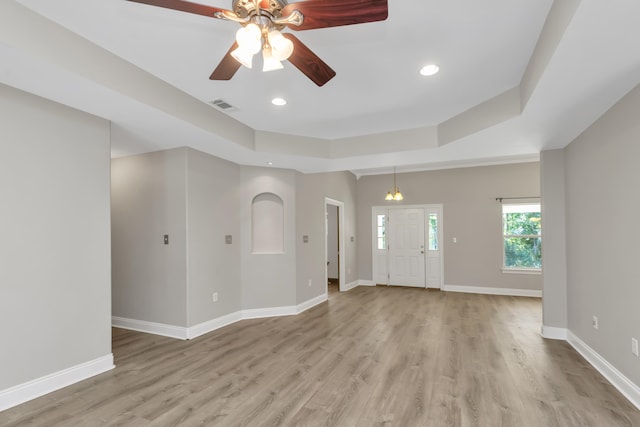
[369, 357]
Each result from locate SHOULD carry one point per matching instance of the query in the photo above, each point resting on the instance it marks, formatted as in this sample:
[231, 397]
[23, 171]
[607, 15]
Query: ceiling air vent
[223, 105]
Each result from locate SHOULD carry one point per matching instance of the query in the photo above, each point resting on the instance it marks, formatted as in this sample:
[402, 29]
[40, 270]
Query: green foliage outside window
[433, 232]
[522, 239]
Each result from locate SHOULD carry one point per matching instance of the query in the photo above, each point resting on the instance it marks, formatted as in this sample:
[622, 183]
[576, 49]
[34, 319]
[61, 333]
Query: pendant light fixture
[394, 194]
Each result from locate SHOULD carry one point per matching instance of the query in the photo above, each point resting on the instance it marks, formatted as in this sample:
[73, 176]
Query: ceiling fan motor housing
[244, 8]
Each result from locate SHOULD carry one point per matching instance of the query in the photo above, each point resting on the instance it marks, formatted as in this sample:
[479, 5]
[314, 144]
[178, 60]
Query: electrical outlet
[594, 322]
[215, 297]
[309, 282]
[634, 346]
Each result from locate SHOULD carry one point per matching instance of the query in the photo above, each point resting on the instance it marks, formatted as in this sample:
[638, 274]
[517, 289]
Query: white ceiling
[376, 113]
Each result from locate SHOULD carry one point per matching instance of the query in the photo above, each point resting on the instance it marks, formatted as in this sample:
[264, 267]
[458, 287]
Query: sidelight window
[381, 229]
[433, 232]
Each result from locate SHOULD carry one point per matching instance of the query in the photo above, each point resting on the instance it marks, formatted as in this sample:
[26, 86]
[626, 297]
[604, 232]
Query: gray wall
[55, 309]
[471, 214]
[268, 280]
[149, 201]
[554, 254]
[192, 197]
[602, 179]
[312, 190]
[198, 199]
[212, 213]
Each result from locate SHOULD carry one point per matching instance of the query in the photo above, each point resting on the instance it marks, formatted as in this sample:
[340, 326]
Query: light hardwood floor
[368, 357]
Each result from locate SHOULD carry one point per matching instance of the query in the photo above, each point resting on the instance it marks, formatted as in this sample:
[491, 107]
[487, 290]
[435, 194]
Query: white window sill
[536, 271]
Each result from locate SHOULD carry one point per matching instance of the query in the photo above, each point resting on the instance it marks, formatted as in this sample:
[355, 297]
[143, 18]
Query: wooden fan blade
[227, 67]
[184, 6]
[334, 13]
[308, 62]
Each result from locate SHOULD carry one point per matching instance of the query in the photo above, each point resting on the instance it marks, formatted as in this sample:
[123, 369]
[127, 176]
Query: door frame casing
[377, 209]
[341, 244]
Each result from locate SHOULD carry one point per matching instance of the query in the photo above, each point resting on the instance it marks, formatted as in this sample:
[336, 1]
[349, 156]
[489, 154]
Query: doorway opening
[334, 245]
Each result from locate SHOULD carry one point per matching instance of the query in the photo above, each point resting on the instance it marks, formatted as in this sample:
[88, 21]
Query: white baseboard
[553, 333]
[493, 291]
[150, 327]
[40, 386]
[288, 310]
[364, 283]
[350, 285]
[624, 385]
[306, 305]
[213, 324]
[257, 313]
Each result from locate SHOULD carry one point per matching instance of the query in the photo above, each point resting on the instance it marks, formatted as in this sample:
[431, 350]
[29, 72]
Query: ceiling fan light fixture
[258, 17]
[281, 47]
[243, 56]
[270, 63]
[249, 38]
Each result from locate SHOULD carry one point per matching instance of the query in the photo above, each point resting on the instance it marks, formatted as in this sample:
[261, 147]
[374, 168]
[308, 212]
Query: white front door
[406, 241]
[407, 246]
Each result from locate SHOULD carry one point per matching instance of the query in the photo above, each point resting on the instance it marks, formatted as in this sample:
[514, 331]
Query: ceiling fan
[262, 21]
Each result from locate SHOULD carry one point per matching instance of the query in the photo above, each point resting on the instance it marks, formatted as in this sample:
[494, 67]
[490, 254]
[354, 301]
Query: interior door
[406, 243]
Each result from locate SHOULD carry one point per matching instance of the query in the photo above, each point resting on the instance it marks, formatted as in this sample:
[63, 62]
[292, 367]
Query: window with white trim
[522, 237]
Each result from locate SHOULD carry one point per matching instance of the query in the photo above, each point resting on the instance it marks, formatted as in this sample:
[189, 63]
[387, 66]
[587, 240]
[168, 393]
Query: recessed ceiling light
[270, 163]
[279, 101]
[429, 70]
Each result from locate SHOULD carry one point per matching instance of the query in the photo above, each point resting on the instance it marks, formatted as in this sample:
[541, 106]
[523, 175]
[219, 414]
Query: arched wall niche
[267, 224]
